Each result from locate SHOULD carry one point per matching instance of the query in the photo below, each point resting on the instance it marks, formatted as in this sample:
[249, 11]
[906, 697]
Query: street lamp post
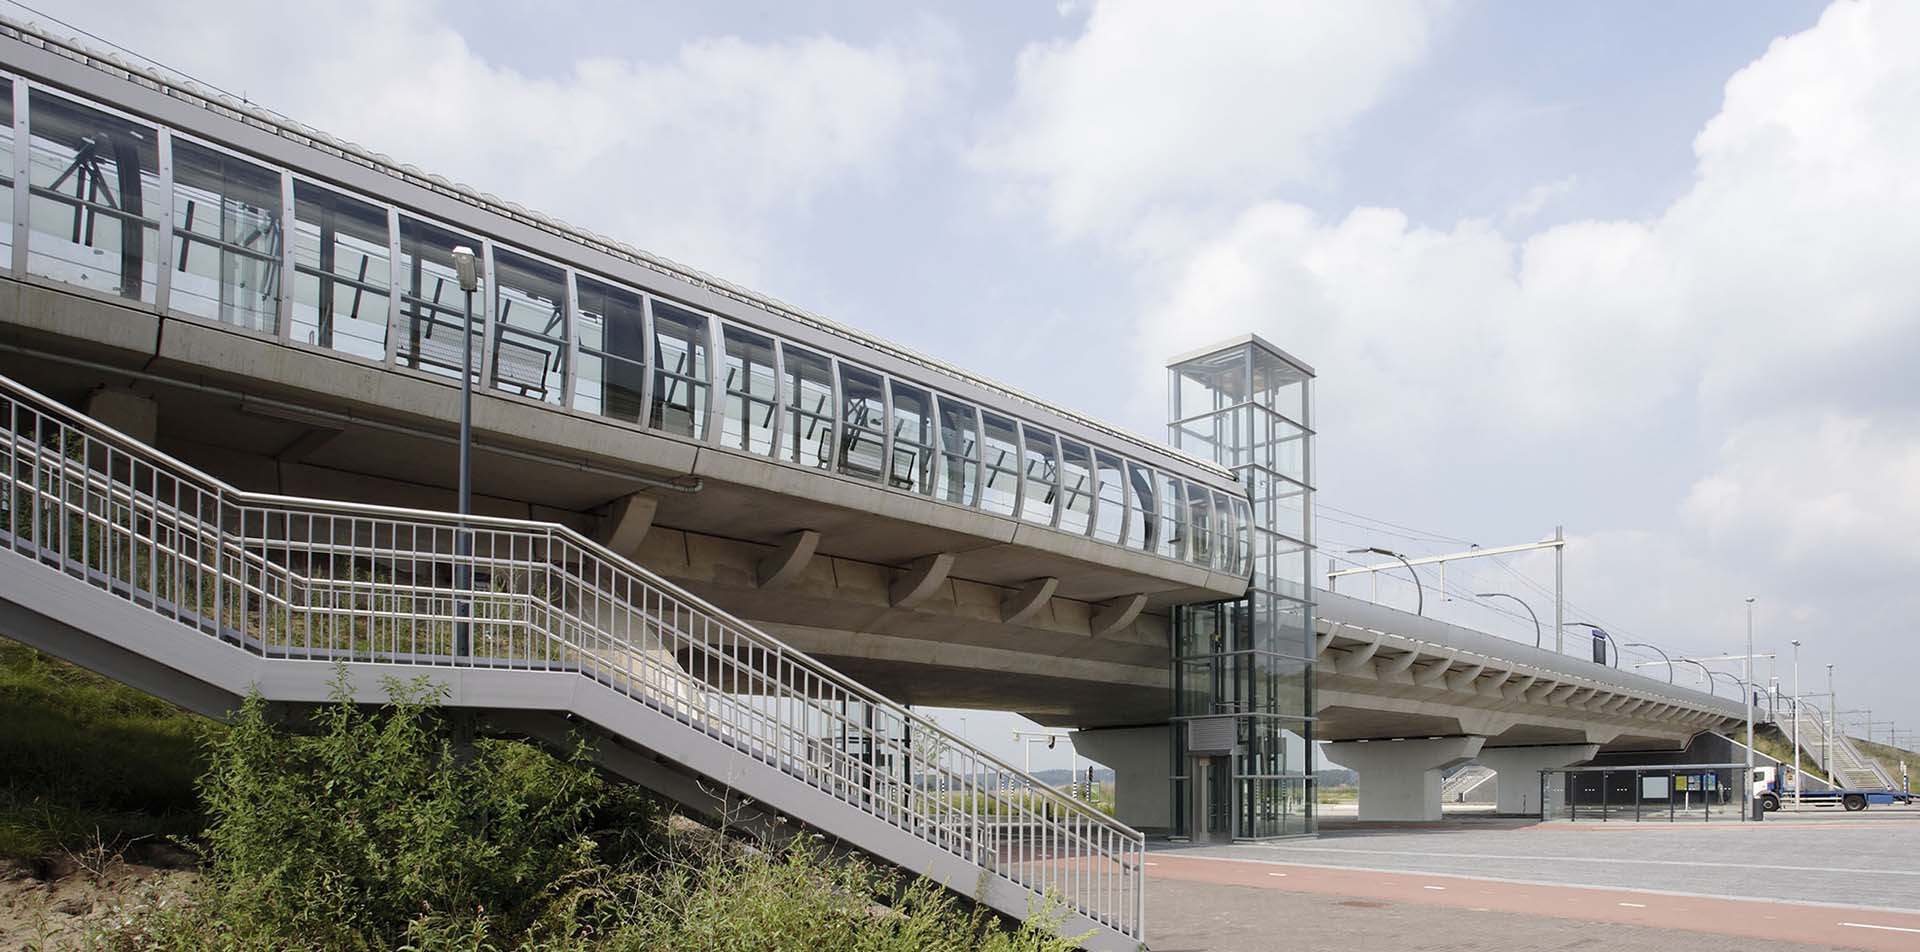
[1796, 722]
[1709, 672]
[1663, 657]
[1748, 784]
[1523, 604]
[1832, 703]
[468, 269]
[1420, 593]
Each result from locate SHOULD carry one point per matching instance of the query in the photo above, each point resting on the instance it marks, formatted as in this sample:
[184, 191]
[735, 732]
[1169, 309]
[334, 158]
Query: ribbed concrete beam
[1023, 602]
[1116, 614]
[628, 522]
[1358, 659]
[1463, 680]
[1561, 693]
[788, 559]
[1388, 669]
[1495, 685]
[1515, 691]
[1435, 673]
[922, 579]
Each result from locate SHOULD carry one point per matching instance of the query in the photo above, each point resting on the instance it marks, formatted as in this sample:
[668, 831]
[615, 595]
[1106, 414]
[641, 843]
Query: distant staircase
[134, 564]
[1466, 784]
[1838, 756]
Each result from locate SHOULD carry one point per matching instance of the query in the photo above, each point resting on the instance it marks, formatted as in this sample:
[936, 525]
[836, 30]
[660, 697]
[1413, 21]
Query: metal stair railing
[1849, 767]
[311, 579]
[1464, 781]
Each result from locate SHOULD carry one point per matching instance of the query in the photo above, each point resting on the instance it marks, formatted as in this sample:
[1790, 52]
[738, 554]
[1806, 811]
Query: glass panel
[809, 394]
[1112, 513]
[432, 303]
[1226, 533]
[1042, 473]
[679, 371]
[1173, 518]
[1199, 526]
[959, 478]
[912, 466]
[530, 338]
[1243, 535]
[6, 175]
[747, 368]
[1002, 465]
[226, 239]
[342, 273]
[1142, 522]
[863, 410]
[1076, 487]
[96, 201]
[611, 370]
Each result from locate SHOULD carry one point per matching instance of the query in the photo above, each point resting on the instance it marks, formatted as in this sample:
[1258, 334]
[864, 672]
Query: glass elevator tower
[1243, 669]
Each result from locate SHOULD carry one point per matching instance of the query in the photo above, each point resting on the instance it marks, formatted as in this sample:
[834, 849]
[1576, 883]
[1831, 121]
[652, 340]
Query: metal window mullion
[716, 387]
[837, 436]
[22, 170]
[1019, 468]
[937, 454]
[287, 272]
[397, 283]
[1059, 481]
[163, 266]
[980, 460]
[780, 399]
[886, 430]
[571, 333]
[489, 333]
[649, 359]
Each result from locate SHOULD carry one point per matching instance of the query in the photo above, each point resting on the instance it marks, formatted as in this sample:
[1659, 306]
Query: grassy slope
[89, 761]
[1891, 758]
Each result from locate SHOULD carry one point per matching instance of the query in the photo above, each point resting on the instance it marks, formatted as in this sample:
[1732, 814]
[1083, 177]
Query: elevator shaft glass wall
[1243, 669]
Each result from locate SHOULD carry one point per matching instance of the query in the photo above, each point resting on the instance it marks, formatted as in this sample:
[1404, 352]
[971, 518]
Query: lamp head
[468, 267]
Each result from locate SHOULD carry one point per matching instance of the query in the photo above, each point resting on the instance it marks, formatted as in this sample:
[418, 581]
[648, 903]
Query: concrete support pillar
[1516, 772]
[1400, 779]
[1139, 758]
[134, 414]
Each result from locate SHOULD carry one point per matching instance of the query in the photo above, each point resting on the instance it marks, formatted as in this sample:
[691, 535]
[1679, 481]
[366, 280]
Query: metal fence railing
[317, 580]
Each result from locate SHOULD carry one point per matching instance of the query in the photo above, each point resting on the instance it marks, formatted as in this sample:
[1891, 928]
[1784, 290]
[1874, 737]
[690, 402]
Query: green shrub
[376, 830]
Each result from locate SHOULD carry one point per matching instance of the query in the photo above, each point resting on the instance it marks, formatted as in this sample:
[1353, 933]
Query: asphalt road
[1843, 881]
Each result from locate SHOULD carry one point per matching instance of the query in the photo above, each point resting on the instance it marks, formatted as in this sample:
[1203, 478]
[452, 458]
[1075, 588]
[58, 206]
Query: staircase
[134, 564]
[1848, 767]
[1460, 785]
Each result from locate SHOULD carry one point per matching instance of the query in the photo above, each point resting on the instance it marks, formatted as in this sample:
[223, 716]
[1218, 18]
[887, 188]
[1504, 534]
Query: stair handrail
[1115, 841]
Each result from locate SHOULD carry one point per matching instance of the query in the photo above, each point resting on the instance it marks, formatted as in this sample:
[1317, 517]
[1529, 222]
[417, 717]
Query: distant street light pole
[1420, 594]
[1663, 657]
[1748, 691]
[1709, 672]
[1523, 604]
[1796, 722]
[468, 270]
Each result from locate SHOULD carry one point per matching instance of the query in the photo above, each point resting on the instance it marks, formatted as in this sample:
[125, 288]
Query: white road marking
[1634, 905]
[1869, 925]
[1436, 888]
[1283, 875]
[1150, 864]
[1594, 859]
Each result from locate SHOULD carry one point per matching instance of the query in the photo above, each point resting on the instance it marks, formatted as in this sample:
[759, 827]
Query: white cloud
[686, 155]
[1537, 198]
[1156, 103]
[1783, 271]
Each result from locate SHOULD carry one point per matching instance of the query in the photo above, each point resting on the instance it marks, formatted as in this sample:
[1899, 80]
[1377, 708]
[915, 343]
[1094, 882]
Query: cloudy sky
[1650, 271]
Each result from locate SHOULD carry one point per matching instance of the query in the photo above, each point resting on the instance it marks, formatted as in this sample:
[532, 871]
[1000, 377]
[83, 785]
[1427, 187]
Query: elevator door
[1213, 799]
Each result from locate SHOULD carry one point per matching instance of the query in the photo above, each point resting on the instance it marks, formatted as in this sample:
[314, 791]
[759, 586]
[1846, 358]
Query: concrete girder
[788, 559]
[1514, 692]
[307, 444]
[1494, 686]
[1462, 681]
[1434, 673]
[1561, 692]
[1397, 665]
[923, 577]
[1580, 697]
[627, 524]
[1537, 694]
[1024, 602]
[135, 414]
[1115, 614]
[1321, 641]
[1359, 659]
